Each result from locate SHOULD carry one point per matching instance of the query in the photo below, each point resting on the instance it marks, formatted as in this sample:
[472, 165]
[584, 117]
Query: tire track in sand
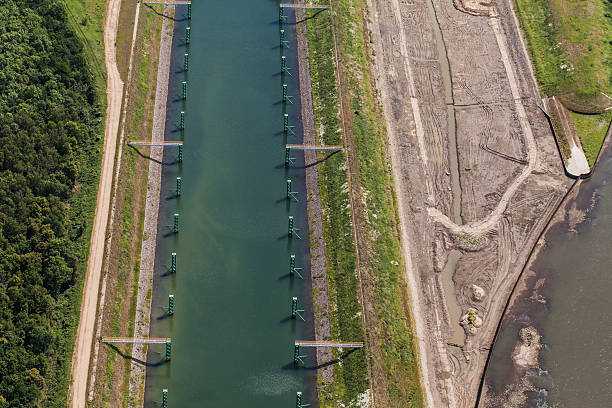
[91, 286]
[490, 222]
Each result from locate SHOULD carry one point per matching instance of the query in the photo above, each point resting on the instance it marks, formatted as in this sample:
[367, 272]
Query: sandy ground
[94, 361]
[85, 332]
[576, 164]
[476, 171]
[147, 254]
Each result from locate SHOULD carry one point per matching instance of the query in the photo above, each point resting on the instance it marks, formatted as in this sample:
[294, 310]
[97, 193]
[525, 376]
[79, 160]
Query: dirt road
[85, 332]
[459, 97]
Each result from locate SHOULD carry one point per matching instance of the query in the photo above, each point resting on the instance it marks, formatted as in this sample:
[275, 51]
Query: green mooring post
[182, 121]
[170, 305]
[281, 15]
[175, 228]
[292, 268]
[283, 41]
[173, 263]
[168, 350]
[184, 90]
[288, 159]
[286, 126]
[189, 11]
[295, 312]
[186, 63]
[286, 96]
[297, 358]
[284, 68]
[180, 155]
[291, 194]
[187, 35]
[298, 401]
[179, 185]
[291, 230]
[165, 398]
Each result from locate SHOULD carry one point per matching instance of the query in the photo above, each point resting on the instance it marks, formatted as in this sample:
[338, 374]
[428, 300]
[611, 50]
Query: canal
[568, 301]
[232, 338]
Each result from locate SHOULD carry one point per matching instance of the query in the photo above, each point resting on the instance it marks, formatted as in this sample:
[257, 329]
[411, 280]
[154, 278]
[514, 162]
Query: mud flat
[510, 174]
[561, 295]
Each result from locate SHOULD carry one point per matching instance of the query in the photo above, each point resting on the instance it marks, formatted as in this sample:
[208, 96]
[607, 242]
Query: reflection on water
[569, 301]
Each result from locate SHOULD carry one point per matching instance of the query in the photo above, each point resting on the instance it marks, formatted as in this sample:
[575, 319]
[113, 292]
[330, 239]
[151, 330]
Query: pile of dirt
[475, 7]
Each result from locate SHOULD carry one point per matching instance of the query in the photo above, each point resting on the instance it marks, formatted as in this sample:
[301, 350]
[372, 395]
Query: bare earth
[476, 169]
[85, 332]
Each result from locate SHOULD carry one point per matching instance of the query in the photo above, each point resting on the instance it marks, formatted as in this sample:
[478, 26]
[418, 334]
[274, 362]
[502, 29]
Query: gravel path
[315, 222]
[145, 279]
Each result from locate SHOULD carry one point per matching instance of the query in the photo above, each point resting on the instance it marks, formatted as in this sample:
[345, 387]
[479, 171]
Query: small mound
[585, 105]
[475, 7]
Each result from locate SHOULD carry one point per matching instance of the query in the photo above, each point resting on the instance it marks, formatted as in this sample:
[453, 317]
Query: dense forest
[50, 126]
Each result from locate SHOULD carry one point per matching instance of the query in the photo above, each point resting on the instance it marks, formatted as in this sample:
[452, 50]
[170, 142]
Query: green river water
[232, 341]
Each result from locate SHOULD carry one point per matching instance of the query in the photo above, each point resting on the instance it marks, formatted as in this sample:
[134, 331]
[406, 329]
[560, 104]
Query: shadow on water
[127, 356]
[144, 156]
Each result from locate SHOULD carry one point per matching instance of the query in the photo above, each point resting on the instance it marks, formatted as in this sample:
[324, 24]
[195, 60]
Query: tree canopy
[48, 124]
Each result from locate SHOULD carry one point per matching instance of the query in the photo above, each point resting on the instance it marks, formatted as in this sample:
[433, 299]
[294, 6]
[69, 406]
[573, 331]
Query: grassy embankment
[112, 385]
[570, 43]
[390, 341]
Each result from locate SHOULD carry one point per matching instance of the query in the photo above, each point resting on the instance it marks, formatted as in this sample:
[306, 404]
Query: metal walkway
[136, 340]
[339, 344]
[145, 143]
[170, 3]
[305, 6]
[313, 147]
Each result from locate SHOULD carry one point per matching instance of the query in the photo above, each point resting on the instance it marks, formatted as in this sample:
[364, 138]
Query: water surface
[569, 301]
[232, 341]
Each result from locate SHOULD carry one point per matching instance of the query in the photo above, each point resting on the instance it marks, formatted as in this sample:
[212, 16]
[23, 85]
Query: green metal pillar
[295, 312]
[288, 159]
[293, 270]
[283, 41]
[187, 35]
[179, 185]
[186, 63]
[297, 358]
[168, 350]
[175, 228]
[291, 230]
[170, 305]
[173, 263]
[184, 90]
[284, 68]
[291, 194]
[281, 15]
[165, 398]
[180, 154]
[189, 11]
[286, 126]
[182, 121]
[286, 96]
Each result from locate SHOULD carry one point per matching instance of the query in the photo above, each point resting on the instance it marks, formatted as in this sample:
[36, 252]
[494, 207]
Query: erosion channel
[232, 335]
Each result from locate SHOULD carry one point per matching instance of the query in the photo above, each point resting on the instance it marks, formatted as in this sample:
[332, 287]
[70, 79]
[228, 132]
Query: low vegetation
[391, 351]
[570, 42]
[51, 125]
